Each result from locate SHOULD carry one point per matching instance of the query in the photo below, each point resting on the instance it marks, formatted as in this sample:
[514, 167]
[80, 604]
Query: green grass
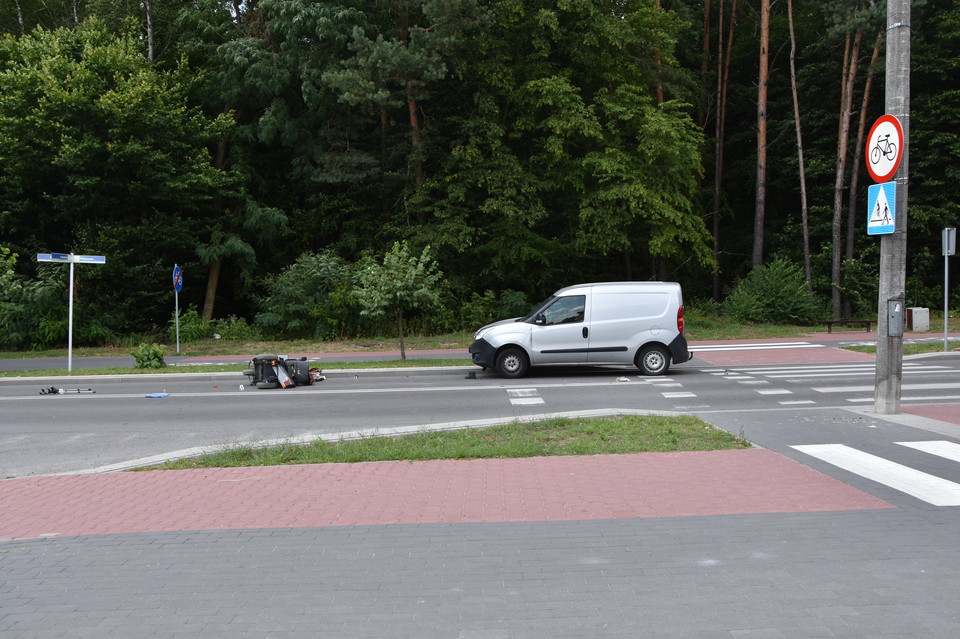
[232, 368]
[913, 349]
[560, 436]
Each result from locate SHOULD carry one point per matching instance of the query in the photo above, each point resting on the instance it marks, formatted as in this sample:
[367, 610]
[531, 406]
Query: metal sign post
[949, 248]
[177, 285]
[71, 259]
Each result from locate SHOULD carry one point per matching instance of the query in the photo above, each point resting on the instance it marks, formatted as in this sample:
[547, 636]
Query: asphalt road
[117, 422]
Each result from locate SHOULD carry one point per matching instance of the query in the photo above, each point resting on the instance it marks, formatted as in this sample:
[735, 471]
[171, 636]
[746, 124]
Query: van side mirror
[540, 319]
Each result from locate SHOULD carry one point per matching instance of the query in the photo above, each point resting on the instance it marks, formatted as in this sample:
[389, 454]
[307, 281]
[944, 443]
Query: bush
[311, 299]
[486, 308]
[775, 293]
[192, 327]
[236, 328]
[148, 356]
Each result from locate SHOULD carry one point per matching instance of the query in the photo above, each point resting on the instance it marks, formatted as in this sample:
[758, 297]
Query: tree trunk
[855, 171]
[213, 279]
[403, 350]
[804, 217]
[850, 74]
[718, 153]
[23, 28]
[762, 133]
[148, 10]
[213, 274]
[723, 77]
[657, 61]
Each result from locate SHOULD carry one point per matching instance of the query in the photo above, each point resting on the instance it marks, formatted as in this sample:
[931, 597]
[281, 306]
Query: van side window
[566, 310]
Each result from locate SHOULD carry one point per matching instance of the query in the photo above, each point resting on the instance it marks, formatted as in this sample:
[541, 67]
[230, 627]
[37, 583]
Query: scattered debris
[156, 395]
[471, 375]
[623, 379]
[53, 390]
[279, 371]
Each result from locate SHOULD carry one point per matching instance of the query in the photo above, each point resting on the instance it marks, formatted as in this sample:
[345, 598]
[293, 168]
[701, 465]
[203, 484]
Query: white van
[638, 323]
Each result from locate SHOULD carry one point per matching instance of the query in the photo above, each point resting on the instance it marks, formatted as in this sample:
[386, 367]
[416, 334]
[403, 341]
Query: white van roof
[617, 287]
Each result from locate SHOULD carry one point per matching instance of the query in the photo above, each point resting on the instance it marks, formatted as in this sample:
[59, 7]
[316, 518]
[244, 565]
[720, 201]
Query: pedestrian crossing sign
[881, 208]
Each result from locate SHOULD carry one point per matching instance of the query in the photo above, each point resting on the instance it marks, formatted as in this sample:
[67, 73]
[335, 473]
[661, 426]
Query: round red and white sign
[884, 148]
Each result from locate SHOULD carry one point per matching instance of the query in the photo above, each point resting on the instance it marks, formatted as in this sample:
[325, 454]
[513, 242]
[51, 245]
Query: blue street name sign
[53, 257]
[69, 257]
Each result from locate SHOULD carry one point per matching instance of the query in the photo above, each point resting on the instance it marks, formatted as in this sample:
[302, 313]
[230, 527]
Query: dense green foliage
[148, 356]
[775, 293]
[278, 149]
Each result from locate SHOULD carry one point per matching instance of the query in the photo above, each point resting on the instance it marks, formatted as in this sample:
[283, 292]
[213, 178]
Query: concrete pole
[893, 247]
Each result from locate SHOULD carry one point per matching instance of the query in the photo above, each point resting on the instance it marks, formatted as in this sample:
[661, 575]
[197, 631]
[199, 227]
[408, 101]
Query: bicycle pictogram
[883, 147]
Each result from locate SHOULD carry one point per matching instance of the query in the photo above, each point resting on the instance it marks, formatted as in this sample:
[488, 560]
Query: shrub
[148, 356]
[192, 327]
[312, 299]
[775, 293]
[236, 328]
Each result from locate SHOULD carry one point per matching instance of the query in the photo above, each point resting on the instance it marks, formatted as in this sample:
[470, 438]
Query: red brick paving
[453, 491]
[943, 412]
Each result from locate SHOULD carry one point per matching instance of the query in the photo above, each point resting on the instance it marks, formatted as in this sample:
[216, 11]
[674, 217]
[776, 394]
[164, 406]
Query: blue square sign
[881, 208]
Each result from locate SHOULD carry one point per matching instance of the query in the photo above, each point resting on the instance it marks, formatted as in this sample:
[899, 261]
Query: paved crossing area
[860, 542]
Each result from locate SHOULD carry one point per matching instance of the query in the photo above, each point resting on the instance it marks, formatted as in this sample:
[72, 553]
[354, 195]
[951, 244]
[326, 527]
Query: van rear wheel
[653, 360]
[512, 362]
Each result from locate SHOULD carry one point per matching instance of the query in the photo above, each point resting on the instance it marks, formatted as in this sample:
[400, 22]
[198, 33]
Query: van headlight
[480, 333]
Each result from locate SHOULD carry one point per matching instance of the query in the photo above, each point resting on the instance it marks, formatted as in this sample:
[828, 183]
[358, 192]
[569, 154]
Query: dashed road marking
[525, 396]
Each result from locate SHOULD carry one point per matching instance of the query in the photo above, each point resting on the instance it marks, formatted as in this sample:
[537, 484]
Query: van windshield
[536, 309]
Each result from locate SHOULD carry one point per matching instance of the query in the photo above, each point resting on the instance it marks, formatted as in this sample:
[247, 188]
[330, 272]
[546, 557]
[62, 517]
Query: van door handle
[585, 332]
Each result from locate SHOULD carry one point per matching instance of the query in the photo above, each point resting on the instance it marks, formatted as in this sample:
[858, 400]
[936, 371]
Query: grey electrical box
[895, 318]
[949, 242]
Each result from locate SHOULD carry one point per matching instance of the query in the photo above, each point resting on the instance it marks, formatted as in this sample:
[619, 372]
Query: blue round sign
[177, 278]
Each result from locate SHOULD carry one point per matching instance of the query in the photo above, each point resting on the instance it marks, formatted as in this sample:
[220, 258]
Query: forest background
[304, 160]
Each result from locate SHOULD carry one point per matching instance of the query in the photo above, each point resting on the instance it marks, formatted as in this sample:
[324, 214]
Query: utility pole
[893, 247]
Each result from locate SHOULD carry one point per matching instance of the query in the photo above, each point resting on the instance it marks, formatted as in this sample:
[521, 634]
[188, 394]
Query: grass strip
[175, 369]
[550, 437]
[911, 349]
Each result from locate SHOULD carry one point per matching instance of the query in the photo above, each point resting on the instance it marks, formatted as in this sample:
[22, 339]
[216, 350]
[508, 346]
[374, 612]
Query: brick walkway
[458, 491]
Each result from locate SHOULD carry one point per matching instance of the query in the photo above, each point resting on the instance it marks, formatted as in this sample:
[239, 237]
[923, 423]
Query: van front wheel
[653, 360]
[512, 362]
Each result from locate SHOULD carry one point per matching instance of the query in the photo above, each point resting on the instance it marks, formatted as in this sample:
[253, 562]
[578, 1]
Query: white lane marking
[912, 398]
[798, 402]
[940, 448]
[929, 488]
[525, 396]
[774, 391]
[860, 374]
[710, 348]
[860, 389]
[678, 395]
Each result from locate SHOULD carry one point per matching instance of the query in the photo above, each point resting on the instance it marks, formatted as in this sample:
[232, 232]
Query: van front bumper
[482, 353]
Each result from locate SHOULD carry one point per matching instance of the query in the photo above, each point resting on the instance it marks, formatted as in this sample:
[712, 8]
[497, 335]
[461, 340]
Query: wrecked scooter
[279, 371]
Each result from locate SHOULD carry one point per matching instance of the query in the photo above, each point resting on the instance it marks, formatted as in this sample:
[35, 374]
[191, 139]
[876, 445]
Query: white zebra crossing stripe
[945, 449]
[525, 396]
[929, 488]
